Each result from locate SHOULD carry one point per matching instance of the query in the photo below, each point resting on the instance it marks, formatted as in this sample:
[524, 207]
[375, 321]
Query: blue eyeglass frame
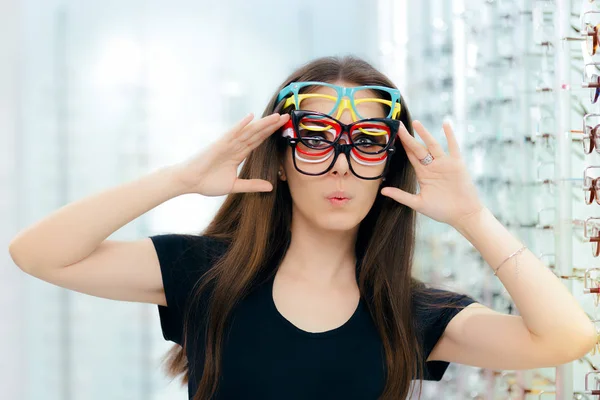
[342, 91]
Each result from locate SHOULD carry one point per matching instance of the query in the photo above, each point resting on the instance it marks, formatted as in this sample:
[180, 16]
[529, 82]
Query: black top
[265, 356]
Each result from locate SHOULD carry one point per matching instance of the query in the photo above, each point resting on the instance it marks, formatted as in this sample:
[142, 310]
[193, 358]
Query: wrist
[470, 221]
[174, 183]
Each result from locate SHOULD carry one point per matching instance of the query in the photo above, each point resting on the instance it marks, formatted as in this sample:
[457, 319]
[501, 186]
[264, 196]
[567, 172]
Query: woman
[301, 287]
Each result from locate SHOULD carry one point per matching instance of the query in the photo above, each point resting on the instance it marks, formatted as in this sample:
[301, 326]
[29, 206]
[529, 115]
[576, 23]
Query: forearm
[75, 230]
[547, 307]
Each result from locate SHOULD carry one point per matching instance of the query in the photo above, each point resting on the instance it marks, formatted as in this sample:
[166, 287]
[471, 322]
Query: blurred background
[94, 94]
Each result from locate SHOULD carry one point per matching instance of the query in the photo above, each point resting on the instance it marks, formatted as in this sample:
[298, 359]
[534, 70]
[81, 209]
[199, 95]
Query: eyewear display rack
[518, 80]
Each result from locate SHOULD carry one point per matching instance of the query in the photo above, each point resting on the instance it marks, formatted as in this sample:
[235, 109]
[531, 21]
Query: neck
[323, 257]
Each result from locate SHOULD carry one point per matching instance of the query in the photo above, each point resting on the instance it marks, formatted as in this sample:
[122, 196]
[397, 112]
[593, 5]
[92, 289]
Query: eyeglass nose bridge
[585, 83]
[346, 149]
[585, 171]
[588, 115]
[342, 149]
[344, 136]
[346, 104]
[587, 278]
[584, 23]
[585, 225]
[587, 376]
[545, 181]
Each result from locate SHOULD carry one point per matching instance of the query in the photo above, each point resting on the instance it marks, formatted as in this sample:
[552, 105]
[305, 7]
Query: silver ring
[427, 160]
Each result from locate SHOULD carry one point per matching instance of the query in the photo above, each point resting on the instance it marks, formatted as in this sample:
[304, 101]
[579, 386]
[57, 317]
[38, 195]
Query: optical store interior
[96, 94]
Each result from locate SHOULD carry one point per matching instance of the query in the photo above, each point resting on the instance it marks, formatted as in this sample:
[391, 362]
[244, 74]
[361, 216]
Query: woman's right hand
[213, 172]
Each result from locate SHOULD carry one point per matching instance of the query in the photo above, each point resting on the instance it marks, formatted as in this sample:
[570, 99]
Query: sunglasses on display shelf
[594, 238]
[592, 40]
[585, 395]
[593, 84]
[588, 390]
[589, 33]
[590, 135]
[591, 186]
[536, 224]
[548, 182]
[591, 283]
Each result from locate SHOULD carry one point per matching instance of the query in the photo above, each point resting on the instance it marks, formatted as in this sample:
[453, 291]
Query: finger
[402, 197]
[251, 186]
[257, 126]
[432, 145]
[258, 137]
[414, 160]
[242, 148]
[453, 148]
[410, 143]
[237, 128]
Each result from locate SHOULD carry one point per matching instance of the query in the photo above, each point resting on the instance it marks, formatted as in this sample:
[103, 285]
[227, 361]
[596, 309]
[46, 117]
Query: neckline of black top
[315, 335]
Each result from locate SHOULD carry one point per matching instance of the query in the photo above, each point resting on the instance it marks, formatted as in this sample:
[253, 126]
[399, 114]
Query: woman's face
[310, 193]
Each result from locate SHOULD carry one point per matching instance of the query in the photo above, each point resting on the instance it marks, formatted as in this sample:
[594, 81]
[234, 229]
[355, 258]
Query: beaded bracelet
[509, 257]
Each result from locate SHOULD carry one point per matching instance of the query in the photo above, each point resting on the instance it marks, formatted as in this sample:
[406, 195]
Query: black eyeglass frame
[298, 115]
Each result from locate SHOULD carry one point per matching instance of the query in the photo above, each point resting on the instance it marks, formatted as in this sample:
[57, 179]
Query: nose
[341, 166]
[345, 117]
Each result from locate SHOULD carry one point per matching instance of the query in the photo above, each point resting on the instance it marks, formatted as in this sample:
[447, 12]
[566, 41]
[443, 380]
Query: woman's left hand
[447, 193]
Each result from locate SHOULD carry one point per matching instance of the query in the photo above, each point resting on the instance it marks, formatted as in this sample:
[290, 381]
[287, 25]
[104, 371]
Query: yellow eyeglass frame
[345, 104]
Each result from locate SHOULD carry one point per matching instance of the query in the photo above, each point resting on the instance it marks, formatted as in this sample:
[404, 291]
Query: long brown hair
[384, 272]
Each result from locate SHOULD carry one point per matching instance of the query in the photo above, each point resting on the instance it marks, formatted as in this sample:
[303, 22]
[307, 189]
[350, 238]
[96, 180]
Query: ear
[281, 173]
